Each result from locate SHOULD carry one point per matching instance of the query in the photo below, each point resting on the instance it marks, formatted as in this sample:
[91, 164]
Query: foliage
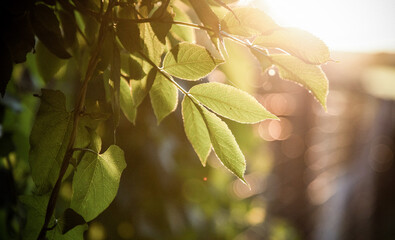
[124, 51]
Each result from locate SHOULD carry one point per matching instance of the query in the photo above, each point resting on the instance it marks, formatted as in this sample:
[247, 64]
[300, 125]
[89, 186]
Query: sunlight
[353, 25]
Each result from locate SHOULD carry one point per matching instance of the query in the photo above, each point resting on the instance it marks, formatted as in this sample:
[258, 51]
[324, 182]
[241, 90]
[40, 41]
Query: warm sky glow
[345, 25]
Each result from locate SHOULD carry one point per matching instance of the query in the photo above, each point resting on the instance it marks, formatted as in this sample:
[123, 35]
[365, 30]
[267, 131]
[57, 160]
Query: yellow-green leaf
[299, 43]
[224, 144]
[249, 22]
[310, 76]
[164, 96]
[189, 61]
[96, 180]
[181, 32]
[127, 103]
[195, 129]
[230, 102]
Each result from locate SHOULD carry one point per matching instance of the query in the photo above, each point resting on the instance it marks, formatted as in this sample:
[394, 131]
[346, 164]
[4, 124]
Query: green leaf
[224, 144]
[129, 35]
[96, 180]
[196, 130]
[36, 209]
[297, 42]
[182, 33]
[140, 88]
[163, 26]
[230, 102]
[310, 76]
[46, 27]
[49, 138]
[47, 63]
[127, 103]
[153, 47]
[69, 26]
[77, 233]
[249, 22]
[69, 220]
[164, 97]
[189, 61]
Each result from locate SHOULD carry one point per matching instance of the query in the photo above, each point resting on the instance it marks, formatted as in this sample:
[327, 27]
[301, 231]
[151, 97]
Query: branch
[77, 114]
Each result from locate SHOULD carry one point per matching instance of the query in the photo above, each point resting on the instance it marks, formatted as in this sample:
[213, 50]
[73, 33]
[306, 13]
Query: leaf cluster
[123, 52]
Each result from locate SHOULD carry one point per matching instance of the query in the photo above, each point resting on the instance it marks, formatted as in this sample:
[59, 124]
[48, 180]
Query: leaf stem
[164, 73]
[77, 114]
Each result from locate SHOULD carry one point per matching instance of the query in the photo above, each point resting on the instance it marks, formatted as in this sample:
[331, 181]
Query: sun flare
[353, 25]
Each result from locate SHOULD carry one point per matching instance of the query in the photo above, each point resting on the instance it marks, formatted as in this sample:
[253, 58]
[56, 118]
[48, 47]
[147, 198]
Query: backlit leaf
[297, 42]
[249, 22]
[196, 129]
[181, 32]
[96, 180]
[224, 144]
[49, 138]
[310, 76]
[164, 97]
[127, 103]
[189, 61]
[230, 102]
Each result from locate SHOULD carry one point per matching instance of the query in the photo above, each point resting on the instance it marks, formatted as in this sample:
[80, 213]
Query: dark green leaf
[69, 26]
[161, 29]
[129, 35]
[46, 27]
[70, 219]
[6, 67]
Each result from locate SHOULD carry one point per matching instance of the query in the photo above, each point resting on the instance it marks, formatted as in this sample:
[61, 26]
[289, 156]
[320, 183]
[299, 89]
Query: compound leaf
[230, 102]
[189, 61]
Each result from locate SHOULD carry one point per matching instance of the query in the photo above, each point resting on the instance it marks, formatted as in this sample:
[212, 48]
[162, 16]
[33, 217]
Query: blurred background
[314, 175]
